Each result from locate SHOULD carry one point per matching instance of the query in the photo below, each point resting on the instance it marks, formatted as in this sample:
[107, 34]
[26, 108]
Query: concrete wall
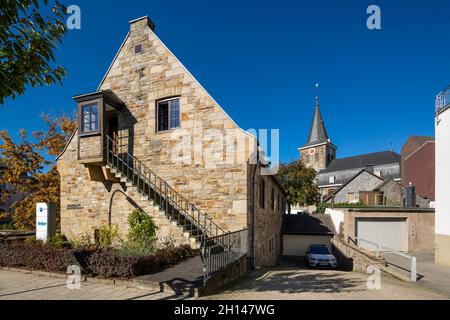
[420, 224]
[442, 188]
[297, 244]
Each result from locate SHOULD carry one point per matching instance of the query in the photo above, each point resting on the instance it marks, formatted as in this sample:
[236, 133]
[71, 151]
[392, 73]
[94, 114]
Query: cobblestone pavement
[305, 284]
[22, 286]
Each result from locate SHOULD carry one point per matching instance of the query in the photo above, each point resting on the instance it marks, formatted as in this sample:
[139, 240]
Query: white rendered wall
[443, 173]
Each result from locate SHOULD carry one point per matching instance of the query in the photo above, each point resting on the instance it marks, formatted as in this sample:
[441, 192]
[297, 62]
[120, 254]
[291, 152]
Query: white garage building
[302, 230]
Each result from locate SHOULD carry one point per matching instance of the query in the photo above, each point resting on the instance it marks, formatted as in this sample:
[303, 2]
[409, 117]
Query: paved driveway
[287, 283]
[430, 275]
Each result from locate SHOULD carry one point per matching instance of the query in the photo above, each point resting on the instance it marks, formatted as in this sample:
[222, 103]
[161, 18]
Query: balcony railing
[443, 100]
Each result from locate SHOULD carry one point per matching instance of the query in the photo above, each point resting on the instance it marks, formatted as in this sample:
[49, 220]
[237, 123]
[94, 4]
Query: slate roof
[363, 161]
[318, 132]
[307, 224]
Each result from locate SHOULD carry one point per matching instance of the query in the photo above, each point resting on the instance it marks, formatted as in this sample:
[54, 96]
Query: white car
[320, 256]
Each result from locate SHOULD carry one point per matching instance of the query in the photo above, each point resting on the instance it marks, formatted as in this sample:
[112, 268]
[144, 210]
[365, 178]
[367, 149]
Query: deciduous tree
[29, 169]
[300, 183]
[28, 41]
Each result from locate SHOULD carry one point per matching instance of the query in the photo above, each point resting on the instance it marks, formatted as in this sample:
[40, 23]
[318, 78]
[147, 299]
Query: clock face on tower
[312, 152]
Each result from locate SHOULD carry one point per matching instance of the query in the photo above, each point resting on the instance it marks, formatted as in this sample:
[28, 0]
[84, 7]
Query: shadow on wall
[133, 203]
[345, 263]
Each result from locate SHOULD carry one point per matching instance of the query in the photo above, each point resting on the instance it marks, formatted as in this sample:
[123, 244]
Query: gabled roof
[350, 180]
[318, 133]
[317, 224]
[363, 161]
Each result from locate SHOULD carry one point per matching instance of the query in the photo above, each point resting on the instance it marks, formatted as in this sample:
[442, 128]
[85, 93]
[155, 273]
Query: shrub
[107, 235]
[109, 263]
[42, 257]
[106, 262]
[142, 230]
[59, 241]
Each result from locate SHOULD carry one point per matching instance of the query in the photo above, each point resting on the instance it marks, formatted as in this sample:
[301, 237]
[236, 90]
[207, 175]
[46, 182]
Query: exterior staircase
[220, 250]
[165, 200]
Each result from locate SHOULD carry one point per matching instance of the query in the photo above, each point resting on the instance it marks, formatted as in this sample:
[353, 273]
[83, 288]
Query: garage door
[296, 245]
[390, 233]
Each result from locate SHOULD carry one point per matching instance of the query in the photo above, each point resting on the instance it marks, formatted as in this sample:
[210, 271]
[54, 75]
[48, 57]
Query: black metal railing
[221, 251]
[150, 185]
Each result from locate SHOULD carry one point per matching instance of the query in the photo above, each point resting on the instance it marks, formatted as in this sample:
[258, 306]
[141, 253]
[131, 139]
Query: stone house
[152, 138]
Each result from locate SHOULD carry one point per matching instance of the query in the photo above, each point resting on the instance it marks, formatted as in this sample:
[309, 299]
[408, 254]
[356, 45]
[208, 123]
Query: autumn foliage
[31, 169]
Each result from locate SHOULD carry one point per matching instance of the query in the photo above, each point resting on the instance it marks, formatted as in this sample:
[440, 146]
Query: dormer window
[89, 118]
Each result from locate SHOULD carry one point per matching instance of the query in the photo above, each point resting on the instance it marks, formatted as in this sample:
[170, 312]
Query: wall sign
[74, 207]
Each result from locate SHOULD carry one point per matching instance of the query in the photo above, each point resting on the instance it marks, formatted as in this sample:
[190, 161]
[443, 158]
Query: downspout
[253, 245]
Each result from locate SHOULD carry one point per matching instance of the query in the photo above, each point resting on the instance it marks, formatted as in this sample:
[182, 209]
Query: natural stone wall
[91, 147]
[140, 80]
[355, 259]
[268, 222]
[318, 161]
[86, 205]
[364, 182]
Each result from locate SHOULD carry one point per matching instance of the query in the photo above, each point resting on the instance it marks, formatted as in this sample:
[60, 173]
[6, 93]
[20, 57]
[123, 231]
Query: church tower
[318, 151]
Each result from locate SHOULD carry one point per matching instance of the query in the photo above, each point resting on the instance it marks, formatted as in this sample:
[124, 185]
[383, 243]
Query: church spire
[318, 133]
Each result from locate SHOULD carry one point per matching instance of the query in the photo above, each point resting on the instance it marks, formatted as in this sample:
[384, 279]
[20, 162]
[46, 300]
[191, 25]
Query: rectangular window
[168, 114]
[89, 118]
[272, 199]
[332, 179]
[262, 193]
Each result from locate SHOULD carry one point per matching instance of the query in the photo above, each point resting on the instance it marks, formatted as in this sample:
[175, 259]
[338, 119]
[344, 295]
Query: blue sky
[261, 59]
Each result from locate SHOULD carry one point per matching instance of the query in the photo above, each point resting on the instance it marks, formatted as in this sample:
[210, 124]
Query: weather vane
[317, 97]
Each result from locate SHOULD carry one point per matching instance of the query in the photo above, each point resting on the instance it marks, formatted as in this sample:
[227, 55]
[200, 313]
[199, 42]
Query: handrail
[142, 175]
[221, 251]
[381, 247]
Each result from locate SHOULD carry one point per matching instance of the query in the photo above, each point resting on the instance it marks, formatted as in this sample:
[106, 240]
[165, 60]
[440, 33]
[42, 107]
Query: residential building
[366, 171]
[443, 177]
[418, 166]
[152, 138]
